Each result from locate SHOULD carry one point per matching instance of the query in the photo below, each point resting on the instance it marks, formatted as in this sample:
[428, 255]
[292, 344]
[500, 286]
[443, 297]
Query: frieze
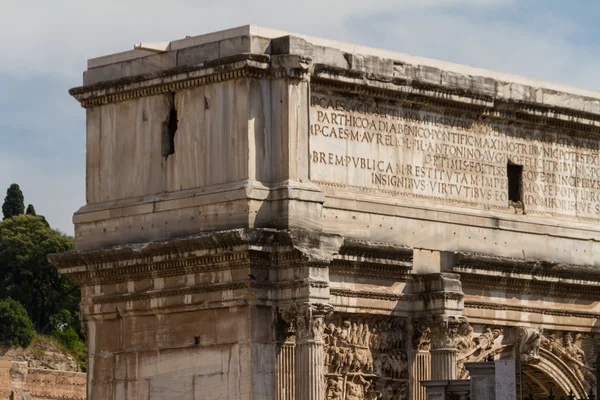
[365, 358]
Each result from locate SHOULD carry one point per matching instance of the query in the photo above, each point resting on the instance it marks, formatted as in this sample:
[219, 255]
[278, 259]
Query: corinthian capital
[448, 332]
[308, 320]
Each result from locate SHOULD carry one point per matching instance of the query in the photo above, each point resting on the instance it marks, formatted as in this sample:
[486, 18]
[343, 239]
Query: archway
[548, 373]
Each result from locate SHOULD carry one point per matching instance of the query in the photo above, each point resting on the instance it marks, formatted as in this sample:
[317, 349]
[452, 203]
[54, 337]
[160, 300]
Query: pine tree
[30, 210]
[13, 202]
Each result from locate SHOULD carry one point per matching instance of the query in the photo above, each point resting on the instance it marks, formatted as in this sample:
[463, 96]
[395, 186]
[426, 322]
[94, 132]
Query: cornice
[528, 286]
[581, 275]
[418, 94]
[365, 250]
[171, 80]
[165, 269]
[396, 297]
[394, 272]
[532, 310]
[369, 295]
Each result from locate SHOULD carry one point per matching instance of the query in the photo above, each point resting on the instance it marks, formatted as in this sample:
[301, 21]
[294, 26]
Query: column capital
[308, 320]
[448, 331]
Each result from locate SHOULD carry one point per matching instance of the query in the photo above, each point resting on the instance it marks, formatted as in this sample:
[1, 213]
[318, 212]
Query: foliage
[30, 210]
[28, 277]
[16, 329]
[13, 202]
[73, 344]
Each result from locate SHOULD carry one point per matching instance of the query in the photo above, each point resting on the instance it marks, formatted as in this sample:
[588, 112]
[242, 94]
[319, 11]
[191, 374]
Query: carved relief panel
[576, 350]
[365, 358]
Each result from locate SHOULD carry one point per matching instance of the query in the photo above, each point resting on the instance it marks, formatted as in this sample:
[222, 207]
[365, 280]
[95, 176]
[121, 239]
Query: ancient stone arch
[547, 373]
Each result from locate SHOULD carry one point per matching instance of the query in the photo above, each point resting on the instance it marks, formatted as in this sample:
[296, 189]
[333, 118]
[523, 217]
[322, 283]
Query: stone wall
[19, 382]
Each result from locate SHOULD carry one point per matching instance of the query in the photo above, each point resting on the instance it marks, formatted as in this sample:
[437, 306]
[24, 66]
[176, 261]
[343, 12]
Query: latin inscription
[364, 143]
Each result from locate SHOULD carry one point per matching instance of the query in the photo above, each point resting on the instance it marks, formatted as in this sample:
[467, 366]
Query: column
[420, 371]
[285, 372]
[420, 367]
[309, 320]
[444, 332]
[286, 360]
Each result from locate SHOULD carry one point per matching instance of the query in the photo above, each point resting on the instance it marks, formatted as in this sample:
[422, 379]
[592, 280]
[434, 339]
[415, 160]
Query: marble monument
[276, 216]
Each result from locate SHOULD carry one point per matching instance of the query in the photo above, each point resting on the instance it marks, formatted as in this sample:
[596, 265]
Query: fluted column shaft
[286, 366]
[310, 383]
[443, 364]
[420, 371]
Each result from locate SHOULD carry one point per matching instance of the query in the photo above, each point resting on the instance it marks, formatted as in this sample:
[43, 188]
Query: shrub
[16, 329]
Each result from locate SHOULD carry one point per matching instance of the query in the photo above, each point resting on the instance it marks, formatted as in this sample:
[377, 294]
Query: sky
[44, 46]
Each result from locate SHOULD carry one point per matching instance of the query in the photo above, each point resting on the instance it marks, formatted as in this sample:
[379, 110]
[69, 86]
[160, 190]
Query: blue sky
[44, 46]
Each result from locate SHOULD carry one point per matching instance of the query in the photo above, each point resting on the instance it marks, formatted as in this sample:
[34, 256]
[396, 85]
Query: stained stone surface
[275, 216]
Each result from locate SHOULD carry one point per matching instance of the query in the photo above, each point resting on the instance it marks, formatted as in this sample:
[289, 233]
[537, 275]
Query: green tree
[13, 202]
[16, 329]
[30, 210]
[28, 277]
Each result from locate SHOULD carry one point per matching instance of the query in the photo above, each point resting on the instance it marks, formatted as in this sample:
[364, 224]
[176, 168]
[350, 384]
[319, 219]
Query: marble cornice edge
[459, 100]
[538, 268]
[173, 79]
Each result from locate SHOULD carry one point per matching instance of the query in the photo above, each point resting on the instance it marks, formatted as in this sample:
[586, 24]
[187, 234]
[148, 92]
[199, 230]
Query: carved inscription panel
[379, 146]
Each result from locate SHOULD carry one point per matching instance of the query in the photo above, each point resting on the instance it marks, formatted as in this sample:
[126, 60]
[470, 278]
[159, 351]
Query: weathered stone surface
[275, 216]
[18, 381]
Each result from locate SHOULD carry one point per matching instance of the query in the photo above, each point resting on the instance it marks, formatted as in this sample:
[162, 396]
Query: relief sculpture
[476, 349]
[365, 359]
[571, 348]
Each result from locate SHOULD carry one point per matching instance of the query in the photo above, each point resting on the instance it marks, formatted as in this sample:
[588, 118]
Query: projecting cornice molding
[415, 85]
[488, 272]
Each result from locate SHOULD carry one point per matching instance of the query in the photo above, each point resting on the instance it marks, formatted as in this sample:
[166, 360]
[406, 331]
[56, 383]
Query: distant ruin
[18, 381]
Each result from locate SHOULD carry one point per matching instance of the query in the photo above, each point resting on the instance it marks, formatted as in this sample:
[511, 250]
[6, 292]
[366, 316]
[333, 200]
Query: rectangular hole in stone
[515, 182]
